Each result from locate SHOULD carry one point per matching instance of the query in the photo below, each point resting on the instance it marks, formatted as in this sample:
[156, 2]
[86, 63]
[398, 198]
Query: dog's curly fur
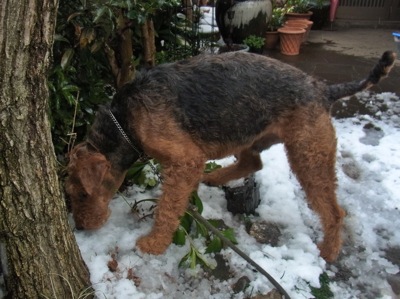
[209, 107]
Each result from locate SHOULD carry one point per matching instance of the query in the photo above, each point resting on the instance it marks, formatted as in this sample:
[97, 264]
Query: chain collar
[115, 121]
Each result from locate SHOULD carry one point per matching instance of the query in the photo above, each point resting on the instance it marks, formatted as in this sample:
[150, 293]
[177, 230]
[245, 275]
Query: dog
[209, 107]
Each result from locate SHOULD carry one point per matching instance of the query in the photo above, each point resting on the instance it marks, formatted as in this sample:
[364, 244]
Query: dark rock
[265, 232]
[274, 294]
[242, 283]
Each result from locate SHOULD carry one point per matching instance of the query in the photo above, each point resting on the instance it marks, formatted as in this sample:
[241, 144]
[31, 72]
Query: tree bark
[39, 254]
[148, 42]
[121, 60]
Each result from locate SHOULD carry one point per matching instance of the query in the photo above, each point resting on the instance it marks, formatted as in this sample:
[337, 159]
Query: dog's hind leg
[310, 141]
[248, 161]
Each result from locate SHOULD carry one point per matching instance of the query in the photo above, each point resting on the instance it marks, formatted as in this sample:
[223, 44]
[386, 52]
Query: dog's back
[207, 93]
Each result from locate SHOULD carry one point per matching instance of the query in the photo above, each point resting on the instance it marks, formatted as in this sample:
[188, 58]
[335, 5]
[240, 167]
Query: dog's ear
[92, 172]
[79, 151]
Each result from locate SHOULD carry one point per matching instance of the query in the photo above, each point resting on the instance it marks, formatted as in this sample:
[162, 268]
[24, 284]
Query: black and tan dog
[209, 107]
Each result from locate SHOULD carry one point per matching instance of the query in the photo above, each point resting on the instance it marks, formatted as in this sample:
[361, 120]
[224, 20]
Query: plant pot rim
[291, 30]
[304, 21]
[235, 48]
[294, 27]
[309, 13]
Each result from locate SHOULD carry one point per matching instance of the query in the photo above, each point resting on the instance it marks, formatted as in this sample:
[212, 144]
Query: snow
[368, 170]
[371, 200]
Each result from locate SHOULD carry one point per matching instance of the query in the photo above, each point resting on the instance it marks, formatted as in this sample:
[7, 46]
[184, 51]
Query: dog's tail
[381, 70]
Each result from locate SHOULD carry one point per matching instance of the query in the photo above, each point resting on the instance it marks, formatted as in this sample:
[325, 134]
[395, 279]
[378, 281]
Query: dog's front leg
[180, 180]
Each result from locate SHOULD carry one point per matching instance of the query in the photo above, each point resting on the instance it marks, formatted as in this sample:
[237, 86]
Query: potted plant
[291, 39]
[276, 21]
[255, 43]
[298, 9]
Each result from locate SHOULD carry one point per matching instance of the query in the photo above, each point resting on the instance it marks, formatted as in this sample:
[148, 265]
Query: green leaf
[97, 45]
[201, 230]
[152, 182]
[195, 199]
[134, 170]
[229, 233]
[70, 88]
[184, 259]
[186, 222]
[60, 38]
[99, 13]
[193, 258]
[66, 58]
[72, 16]
[180, 236]
[211, 166]
[215, 245]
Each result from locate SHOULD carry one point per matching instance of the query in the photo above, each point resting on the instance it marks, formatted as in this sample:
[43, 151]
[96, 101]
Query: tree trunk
[148, 42]
[121, 59]
[39, 255]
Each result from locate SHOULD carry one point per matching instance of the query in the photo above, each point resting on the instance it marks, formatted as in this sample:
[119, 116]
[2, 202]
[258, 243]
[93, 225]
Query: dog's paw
[152, 245]
[329, 253]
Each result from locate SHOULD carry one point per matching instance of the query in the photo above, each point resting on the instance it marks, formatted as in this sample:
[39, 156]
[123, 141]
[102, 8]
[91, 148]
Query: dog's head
[90, 185]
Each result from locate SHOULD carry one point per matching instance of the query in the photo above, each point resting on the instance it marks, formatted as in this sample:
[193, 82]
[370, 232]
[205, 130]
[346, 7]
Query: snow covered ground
[368, 169]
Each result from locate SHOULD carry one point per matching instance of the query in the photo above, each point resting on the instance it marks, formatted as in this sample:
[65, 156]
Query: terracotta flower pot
[290, 40]
[302, 23]
[271, 39]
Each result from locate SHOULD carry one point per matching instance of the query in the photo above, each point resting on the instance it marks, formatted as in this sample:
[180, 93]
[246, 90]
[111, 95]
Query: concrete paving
[345, 54]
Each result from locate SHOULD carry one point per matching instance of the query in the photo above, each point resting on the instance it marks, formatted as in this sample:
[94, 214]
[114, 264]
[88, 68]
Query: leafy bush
[88, 56]
[254, 42]
[277, 17]
[297, 6]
